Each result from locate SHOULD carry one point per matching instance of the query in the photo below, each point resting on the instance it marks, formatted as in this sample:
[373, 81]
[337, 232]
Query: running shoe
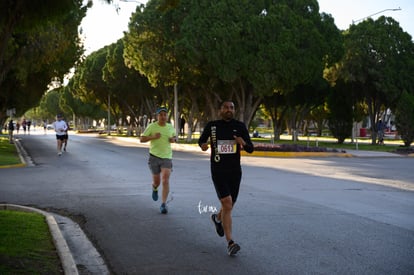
[163, 208]
[59, 153]
[232, 248]
[154, 194]
[218, 225]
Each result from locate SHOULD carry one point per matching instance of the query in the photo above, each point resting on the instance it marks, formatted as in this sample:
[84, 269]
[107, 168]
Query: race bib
[226, 146]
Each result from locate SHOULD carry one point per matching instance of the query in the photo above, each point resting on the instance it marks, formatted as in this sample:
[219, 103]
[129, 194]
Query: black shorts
[227, 182]
[60, 137]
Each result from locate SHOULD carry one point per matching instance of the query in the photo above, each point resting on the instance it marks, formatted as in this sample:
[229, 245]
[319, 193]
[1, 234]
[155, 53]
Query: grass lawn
[26, 245]
[8, 152]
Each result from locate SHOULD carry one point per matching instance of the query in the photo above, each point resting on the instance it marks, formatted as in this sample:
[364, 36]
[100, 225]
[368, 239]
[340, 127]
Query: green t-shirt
[160, 147]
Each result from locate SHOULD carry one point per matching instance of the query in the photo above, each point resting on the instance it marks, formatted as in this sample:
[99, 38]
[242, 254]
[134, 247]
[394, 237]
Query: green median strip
[26, 245]
[8, 152]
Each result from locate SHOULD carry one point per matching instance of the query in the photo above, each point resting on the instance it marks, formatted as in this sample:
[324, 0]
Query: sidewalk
[373, 154]
[195, 148]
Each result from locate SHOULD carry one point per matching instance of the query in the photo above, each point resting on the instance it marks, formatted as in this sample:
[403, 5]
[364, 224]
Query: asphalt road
[293, 216]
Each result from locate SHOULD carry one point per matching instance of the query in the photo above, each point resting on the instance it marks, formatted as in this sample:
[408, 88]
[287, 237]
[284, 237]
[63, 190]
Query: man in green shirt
[161, 134]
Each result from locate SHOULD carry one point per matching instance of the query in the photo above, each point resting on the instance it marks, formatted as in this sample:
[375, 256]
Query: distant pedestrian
[24, 125]
[161, 134]
[29, 123]
[66, 136]
[17, 127]
[10, 129]
[227, 138]
[44, 127]
[60, 129]
[182, 125]
[380, 132]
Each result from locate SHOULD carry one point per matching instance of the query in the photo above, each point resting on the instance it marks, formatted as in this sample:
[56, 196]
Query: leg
[227, 206]
[59, 146]
[156, 180]
[153, 164]
[225, 216]
[165, 174]
[155, 183]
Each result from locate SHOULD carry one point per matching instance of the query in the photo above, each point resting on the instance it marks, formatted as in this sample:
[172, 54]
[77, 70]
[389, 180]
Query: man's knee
[227, 203]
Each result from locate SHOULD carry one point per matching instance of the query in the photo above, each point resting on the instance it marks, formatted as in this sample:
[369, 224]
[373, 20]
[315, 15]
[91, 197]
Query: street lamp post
[363, 18]
[109, 114]
[354, 128]
[139, 2]
[176, 118]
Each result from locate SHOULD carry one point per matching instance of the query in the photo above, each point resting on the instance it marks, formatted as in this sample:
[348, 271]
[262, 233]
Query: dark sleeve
[205, 134]
[248, 147]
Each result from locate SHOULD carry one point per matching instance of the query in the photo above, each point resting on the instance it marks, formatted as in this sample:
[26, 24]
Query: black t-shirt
[222, 142]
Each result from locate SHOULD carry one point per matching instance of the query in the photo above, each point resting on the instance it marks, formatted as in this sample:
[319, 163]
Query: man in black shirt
[227, 137]
[11, 129]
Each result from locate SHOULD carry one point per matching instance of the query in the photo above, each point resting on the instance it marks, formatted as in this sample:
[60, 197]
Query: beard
[227, 115]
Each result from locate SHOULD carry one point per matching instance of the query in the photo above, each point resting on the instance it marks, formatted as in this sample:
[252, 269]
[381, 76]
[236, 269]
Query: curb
[23, 155]
[13, 166]
[68, 263]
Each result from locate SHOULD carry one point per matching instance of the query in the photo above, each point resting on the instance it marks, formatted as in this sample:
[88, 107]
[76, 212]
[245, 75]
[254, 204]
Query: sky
[104, 24]
[345, 12]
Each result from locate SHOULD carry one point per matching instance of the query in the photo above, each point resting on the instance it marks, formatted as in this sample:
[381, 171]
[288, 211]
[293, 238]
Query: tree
[129, 89]
[50, 103]
[150, 43]
[377, 65]
[39, 43]
[252, 48]
[340, 118]
[88, 80]
[404, 117]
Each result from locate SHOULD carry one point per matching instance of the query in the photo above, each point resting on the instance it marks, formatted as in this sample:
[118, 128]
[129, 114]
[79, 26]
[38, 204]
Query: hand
[156, 136]
[173, 139]
[204, 146]
[240, 140]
